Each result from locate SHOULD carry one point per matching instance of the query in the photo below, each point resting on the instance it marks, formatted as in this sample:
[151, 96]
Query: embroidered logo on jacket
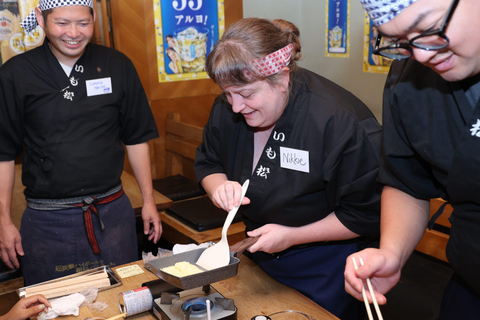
[476, 129]
[263, 172]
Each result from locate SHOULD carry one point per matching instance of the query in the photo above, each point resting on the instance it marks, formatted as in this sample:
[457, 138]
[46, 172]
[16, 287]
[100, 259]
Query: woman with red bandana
[310, 150]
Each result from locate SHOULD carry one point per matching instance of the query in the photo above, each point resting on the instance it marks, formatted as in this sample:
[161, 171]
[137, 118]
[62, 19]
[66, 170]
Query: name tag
[294, 159]
[99, 86]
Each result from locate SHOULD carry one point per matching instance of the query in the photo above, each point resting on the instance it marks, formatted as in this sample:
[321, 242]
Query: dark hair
[45, 13]
[172, 50]
[251, 38]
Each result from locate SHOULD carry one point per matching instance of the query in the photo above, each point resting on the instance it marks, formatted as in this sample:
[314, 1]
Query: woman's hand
[227, 195]
[381, 266]
[273, 238]
[27, 307]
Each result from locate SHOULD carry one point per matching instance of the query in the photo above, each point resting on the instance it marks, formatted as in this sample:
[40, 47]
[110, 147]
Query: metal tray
[196, 280]
[115, 280]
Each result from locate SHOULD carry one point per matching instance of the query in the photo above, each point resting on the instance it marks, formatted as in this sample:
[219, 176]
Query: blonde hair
[230, 62]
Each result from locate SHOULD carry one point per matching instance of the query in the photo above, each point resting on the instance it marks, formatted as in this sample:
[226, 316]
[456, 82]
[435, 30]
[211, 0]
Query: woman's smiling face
[461, 59]
[261, 103]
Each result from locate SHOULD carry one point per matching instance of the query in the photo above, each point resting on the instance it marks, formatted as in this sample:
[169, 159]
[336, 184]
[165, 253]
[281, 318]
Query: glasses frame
[407, 45]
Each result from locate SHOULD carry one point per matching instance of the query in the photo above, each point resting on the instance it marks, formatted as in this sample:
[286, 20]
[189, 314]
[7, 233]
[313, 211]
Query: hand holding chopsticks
[370, 288]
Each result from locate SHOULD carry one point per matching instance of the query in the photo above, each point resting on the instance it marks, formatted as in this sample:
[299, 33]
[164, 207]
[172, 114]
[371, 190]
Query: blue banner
[338, 27]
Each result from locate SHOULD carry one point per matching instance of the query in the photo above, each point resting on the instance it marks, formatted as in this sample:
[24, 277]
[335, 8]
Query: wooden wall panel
[128, 25]
[193, 110]
[134, 35]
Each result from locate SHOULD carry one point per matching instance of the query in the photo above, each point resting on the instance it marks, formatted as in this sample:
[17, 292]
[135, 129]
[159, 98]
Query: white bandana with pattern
[30, 22]
[382, 11]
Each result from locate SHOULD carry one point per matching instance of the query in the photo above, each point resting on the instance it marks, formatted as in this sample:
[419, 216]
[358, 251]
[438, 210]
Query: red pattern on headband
[274, 62]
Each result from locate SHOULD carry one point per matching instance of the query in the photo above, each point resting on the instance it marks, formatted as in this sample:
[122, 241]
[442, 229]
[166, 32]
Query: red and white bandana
[274, 62]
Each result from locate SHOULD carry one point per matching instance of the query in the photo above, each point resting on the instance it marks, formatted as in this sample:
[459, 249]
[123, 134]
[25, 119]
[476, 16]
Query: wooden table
[130, 186]
[253, 291]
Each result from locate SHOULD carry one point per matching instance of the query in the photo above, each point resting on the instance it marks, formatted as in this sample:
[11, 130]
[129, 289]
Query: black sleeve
[401, 167]
[351, 171]
[11, 117]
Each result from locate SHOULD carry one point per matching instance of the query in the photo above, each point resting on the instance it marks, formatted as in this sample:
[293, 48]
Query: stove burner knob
[261, 318]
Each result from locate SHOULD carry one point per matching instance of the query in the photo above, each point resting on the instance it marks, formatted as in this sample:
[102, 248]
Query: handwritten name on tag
[99, 86]
[294, 159]
[129, 271]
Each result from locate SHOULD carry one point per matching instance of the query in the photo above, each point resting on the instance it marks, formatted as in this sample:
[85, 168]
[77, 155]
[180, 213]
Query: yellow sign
[129, 271]
[186, 32]
[372, 62]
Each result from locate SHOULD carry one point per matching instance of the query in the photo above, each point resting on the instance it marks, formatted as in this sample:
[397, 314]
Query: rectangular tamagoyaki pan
[203, 278]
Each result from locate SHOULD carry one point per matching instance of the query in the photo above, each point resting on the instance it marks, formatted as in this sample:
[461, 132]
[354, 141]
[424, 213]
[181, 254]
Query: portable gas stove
[192, 304]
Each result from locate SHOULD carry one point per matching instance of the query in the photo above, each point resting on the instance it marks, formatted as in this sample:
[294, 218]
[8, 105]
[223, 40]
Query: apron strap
[88, 207]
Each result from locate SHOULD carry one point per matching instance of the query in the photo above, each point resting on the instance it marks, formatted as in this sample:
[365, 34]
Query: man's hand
[10, 244]
[382, 267]
[152, 225]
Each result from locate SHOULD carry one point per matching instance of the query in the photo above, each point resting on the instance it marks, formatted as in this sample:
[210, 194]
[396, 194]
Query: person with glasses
[431, 144]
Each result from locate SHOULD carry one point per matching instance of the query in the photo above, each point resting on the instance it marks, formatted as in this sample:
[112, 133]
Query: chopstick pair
[370, 288]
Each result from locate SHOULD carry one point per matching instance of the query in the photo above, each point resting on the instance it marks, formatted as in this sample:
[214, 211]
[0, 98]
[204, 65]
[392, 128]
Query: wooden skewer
[370, 288]
[64, 290]
[365, 299]
[63, 283]
[123, 315]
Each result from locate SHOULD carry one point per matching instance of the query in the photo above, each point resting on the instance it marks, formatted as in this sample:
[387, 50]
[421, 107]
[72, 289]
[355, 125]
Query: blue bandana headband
[382, 11]
[30, 22]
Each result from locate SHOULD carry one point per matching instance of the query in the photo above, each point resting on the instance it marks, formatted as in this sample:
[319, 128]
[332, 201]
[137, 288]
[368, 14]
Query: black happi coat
[72, 139]
[431, 149]
[341, 138]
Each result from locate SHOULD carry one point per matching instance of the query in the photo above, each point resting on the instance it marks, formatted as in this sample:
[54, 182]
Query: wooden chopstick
[74, 288]
[67, 282]
[370, 288]
[68, 286]
[122, 315]
[365, 299]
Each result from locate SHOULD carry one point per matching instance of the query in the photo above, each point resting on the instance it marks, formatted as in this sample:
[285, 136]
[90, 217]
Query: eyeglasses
[402, 49]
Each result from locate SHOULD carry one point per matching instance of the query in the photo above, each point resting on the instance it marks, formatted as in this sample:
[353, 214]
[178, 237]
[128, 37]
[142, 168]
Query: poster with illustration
[337, 35]
[13, 39]
[371, 62]
[186, 31]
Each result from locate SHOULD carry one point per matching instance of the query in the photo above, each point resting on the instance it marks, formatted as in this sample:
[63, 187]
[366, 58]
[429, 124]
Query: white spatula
[218, 255]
